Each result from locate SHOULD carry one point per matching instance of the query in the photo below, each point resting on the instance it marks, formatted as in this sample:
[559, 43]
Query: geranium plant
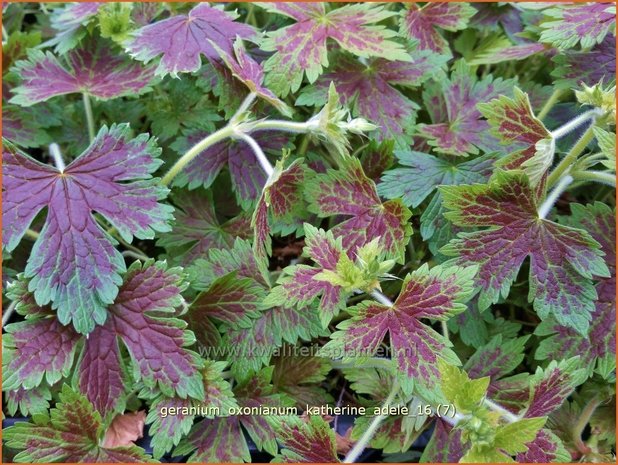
[308, 232]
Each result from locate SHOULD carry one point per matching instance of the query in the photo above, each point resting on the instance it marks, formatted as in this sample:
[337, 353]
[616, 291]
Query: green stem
[553, 99]
[595, 176]
[304, 144]
[583, 420]
[6, 314]
[371, 362]
[138, 256]
[30, 234]
[280, 125]
[570, 157]
[445, 330]
[365, 439]
[194, 151]
[89, 115]
[554, 195]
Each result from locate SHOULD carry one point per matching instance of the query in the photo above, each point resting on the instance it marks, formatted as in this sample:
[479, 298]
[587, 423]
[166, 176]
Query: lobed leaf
[182, 39]
[92, 69]
[561, 268]
[436, 294]
[302, 47]
[74, 258]
[349, 192]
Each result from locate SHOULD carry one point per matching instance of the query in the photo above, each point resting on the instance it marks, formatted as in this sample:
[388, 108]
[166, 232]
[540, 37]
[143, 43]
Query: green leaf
[512, 437]
[465, 393]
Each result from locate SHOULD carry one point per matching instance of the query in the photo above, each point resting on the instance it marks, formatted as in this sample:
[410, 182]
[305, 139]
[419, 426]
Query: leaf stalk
[365, 439]
[570, 157]
[89, 116]
[554, 195]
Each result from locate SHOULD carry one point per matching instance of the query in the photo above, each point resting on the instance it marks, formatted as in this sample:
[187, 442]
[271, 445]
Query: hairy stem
[138, 256]
[510, 417]
[595, 176]
[280, 125]
[54, 151]
[194, 151]
[381, 298]
[582, 421]
[445, 330]
[6, 315]
[554, 195]
[575, 123]
[365, 439]
[570, 157]
[551, 101]
[89, 116]
[259, 154]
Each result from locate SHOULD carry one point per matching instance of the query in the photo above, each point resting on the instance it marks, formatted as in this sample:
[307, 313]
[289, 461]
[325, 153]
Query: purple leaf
[21, 127]
[27, 401]
[101, 377]
[68, 21]
[349, 192]
[71, 433]
[589, 67]
[169, 426]
[231, 300]
[247, 176]
[459, 129]
[155, 340]
[306, 440]
[196, 228]
[421, 22]
[298, 285]
[281, 204]
[445, 445]
[369, 89]
[222, 440]
[35, 349]
[490, 16]
[91, 69]
[302, 47]
[181, 39]
[585, 23]
[551, 387]
[599, 220]
[435, 294]
[74, 259]
[562, 259]
[546, 448]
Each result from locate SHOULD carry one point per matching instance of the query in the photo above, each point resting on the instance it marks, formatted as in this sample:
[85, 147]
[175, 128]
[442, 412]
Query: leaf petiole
[54, 151]
[595, 176]
[551, 102]
[89, 116]
[570, 157]
[554, 195]
[365, 439]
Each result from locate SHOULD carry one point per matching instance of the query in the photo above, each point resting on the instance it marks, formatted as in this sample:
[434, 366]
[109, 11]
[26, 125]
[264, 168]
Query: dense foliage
[222, 220]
